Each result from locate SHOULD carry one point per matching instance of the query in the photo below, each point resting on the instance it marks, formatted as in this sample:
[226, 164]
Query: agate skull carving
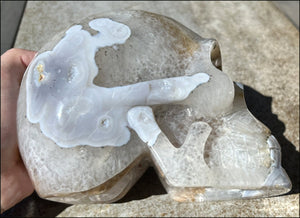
[115, 94]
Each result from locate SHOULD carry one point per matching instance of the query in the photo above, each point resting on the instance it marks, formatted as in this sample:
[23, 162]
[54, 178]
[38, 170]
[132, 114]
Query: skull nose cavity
[215, 55]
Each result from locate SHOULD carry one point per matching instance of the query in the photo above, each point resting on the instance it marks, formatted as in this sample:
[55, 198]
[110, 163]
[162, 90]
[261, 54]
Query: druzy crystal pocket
[115, 94]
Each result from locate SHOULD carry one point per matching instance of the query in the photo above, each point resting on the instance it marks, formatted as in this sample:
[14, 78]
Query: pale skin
[15, 181]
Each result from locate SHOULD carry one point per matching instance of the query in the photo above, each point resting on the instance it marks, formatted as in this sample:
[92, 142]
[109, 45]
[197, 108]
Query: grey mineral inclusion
[117, 93]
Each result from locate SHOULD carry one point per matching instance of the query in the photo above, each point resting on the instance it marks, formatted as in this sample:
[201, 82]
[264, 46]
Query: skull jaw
[218, 180]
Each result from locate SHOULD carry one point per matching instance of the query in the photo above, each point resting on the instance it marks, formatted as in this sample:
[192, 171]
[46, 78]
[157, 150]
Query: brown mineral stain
[187, 194]
[41, 77]
[183, 44]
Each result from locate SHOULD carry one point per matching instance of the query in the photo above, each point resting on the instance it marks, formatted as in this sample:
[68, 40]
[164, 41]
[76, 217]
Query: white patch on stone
[142, 121]
[72, 111]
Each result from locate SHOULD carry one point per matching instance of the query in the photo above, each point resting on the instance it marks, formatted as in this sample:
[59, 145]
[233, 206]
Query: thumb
[27, 57]
[14, 63]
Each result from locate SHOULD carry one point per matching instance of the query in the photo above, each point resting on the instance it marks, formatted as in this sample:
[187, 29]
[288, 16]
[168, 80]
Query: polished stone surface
[260, 48]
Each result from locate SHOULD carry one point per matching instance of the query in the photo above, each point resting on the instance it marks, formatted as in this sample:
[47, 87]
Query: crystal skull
[115, 94]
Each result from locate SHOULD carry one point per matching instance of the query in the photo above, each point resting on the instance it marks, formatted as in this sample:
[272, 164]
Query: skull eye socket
[215, 55]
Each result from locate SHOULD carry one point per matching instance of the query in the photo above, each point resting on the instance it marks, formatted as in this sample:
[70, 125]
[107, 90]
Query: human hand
[15, 181]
